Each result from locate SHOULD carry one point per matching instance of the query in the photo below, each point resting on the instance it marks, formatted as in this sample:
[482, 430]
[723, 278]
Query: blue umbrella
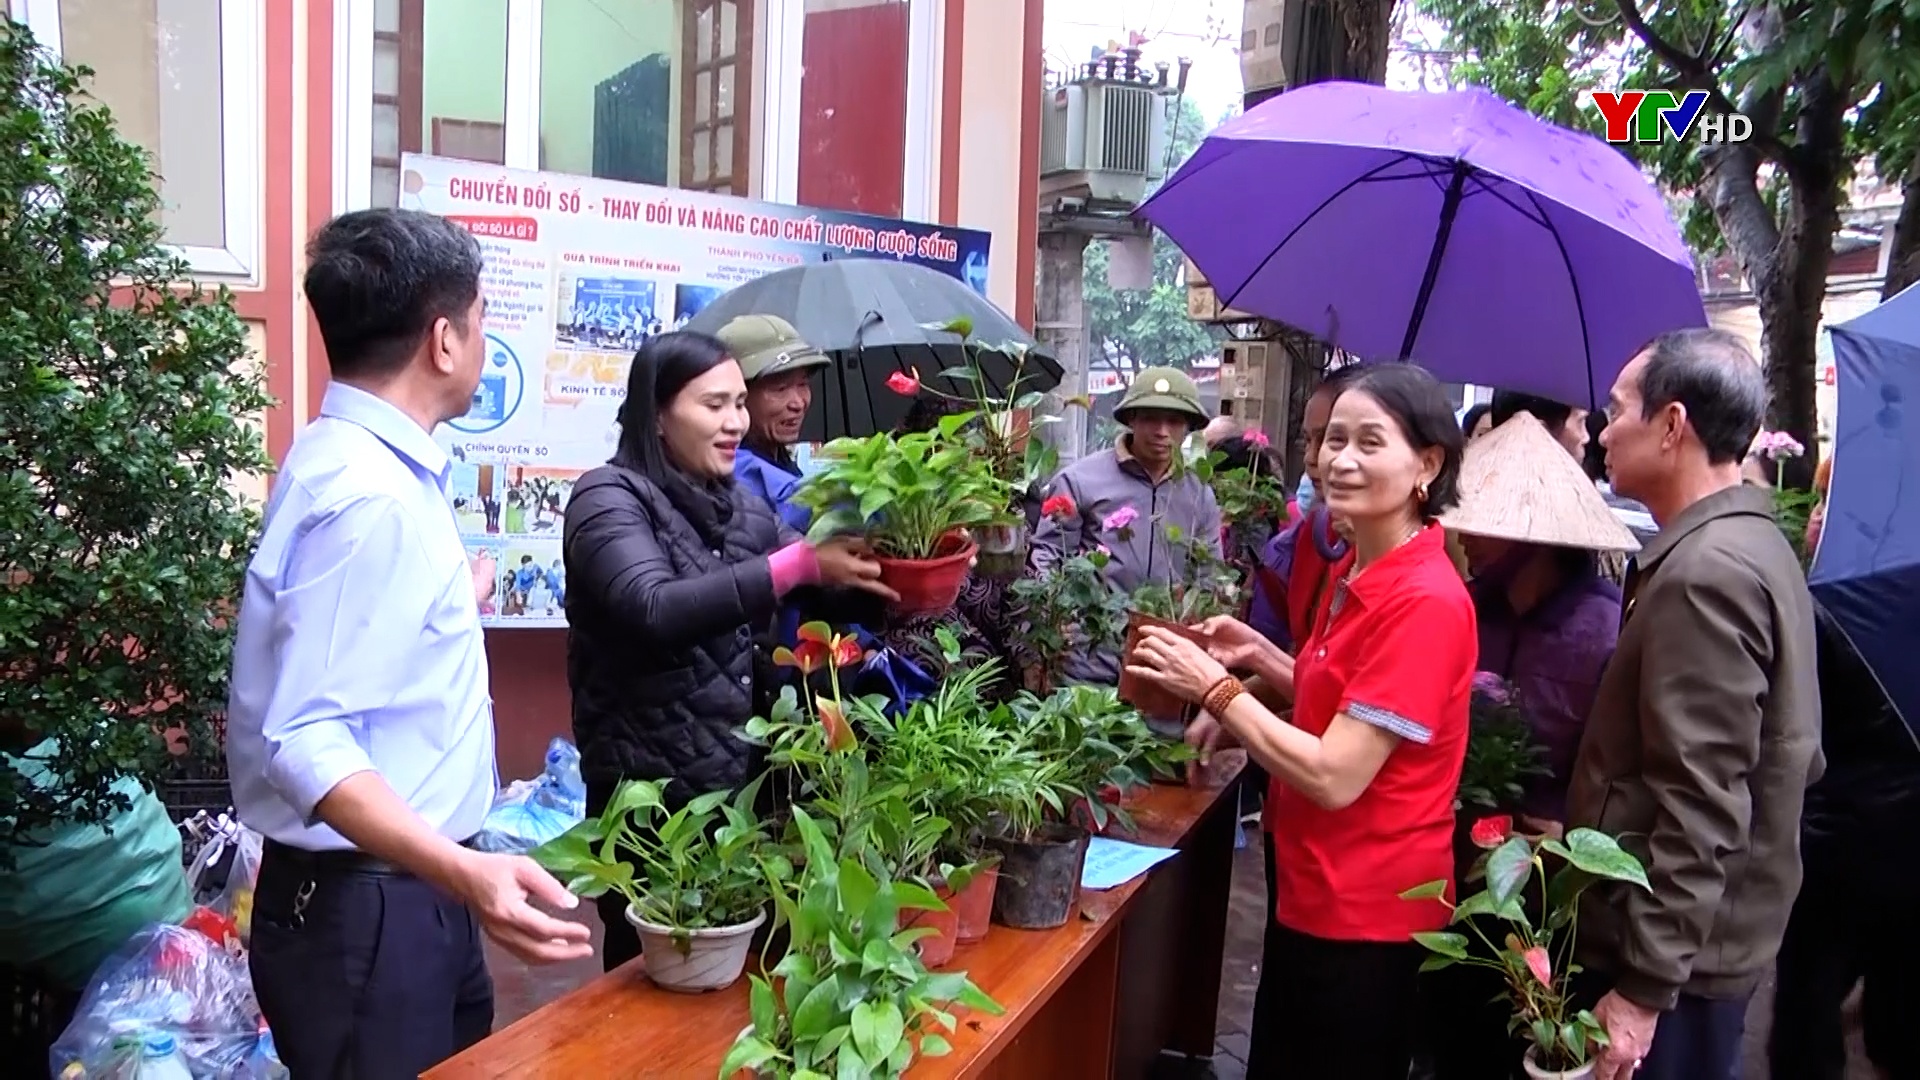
[1867, 568]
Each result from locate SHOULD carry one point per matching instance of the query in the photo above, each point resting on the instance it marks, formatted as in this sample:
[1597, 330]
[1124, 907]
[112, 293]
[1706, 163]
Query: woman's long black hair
[660, 370]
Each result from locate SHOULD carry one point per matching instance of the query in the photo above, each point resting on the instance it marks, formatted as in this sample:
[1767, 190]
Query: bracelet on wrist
[1221, 695]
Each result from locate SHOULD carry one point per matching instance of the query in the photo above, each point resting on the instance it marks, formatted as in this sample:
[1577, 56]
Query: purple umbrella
[1451, 229]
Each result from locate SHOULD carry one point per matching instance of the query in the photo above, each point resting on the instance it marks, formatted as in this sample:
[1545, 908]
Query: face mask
[1304, 494]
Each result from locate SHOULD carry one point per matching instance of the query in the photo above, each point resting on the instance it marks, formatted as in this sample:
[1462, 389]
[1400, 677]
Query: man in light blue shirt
[360, 728]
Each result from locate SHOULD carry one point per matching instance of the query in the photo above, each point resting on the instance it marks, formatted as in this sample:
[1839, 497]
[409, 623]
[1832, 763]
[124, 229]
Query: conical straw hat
[1519, 483]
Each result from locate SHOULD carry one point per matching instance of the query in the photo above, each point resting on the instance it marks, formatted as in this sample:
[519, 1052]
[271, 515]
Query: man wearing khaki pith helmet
[779, 367]
[1130, 498]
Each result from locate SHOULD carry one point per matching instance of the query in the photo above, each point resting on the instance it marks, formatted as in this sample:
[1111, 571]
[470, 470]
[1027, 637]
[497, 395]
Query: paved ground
[519, 989]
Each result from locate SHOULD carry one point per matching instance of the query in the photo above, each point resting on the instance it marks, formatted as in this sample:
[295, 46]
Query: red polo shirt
[1396, 647]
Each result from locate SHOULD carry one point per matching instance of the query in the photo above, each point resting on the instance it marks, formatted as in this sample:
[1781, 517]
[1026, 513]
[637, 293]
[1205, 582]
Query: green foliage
[1501, 752]
[123, 425]
[1207, 584]
[1135, 328]
[905, 493]
[850, 997]
[988, 427]
[702, 866]
[1069, 608]
[1535, 958]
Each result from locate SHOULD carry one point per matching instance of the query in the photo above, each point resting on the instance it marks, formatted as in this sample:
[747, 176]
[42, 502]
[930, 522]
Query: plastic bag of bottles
[170, 1004]
[529, 813]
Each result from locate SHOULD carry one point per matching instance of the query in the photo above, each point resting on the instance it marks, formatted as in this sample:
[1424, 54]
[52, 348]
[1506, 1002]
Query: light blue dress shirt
[359, 643]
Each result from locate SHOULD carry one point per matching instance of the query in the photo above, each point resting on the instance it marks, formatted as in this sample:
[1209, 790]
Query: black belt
[345, 861]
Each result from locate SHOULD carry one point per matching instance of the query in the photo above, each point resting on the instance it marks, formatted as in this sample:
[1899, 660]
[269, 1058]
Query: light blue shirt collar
[390, 426]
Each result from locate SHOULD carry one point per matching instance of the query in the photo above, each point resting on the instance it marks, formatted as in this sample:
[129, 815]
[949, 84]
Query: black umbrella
[875, 317]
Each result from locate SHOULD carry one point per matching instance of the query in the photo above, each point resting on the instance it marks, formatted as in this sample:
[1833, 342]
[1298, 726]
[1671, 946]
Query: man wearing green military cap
[779, 366]
[1127, 498]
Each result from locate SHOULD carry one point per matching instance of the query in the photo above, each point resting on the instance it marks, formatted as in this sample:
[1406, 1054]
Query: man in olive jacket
[1705, 731]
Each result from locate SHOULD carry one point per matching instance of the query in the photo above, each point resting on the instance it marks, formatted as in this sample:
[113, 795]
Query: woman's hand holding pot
[847, 561]
[1243, 648]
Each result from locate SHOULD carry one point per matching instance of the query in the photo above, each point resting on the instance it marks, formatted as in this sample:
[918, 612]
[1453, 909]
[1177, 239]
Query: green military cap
[1165, 389]
[768, 345]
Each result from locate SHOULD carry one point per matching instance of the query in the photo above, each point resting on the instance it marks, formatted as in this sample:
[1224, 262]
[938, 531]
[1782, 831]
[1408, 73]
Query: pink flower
[1490, 832]
[1120, 519]
[1258, 438]
[1776, 445]
[1492, 687]
[904, 383]
[1539, 964]
[1104, 550]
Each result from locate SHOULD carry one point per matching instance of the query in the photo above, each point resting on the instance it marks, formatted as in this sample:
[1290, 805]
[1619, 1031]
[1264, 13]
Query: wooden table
[1101, 996]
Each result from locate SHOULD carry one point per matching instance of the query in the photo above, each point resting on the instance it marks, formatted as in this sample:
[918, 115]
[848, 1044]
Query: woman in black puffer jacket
[673, 578]
[1853, 919]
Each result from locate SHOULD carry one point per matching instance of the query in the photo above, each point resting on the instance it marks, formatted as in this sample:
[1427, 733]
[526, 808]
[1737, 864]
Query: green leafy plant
[1501, 752]
[850, 997]
[129, 407]
[702, 866]
[905, 493]
[1535, 957]
[997, 428]
[1791, 506]
[1252, 499]
[1206, 585]
[1070, 607]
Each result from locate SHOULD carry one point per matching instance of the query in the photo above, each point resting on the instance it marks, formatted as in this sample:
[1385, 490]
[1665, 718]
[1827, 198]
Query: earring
[1420, 491]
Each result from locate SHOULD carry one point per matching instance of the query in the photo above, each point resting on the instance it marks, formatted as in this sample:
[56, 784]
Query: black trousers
[1853, 920]
[1333, 1010]
[364, 975]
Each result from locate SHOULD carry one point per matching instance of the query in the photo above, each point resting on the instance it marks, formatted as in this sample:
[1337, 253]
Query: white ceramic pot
[707, 959]
[1584, 1072]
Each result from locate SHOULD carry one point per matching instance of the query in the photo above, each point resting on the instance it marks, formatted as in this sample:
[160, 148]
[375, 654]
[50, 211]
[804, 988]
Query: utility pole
[1060, 324]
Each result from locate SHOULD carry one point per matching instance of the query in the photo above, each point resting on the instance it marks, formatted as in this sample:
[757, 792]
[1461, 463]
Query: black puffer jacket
[1870, 795]
[667, 634]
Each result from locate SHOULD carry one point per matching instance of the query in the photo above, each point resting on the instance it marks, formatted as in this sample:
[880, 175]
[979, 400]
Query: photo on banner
[580, 272]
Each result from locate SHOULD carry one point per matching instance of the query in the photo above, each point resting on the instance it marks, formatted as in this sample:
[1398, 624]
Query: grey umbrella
[871, 316]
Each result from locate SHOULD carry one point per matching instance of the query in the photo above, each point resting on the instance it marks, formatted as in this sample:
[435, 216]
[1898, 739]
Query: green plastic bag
[81, 891]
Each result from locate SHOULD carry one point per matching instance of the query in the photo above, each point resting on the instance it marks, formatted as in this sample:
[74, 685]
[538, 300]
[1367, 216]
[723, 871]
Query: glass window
[853, 106]
[439, 84]
[166, 70]
[649, 91]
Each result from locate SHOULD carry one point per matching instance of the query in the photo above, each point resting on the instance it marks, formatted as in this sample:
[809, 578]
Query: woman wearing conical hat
[1533, 528]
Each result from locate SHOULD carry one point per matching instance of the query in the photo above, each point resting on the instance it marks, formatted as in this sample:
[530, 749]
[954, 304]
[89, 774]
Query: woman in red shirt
[1364, 775]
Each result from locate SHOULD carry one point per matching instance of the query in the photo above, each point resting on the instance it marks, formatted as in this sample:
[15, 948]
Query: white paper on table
[1111, 863]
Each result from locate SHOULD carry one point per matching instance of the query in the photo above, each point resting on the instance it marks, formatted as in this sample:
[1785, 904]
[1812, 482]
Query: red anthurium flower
[846, 652]
[1059, 506]
[904, 383]
[1491, 832]
[834, 720]
[816, 631]
[808, 656]
[1539, 964]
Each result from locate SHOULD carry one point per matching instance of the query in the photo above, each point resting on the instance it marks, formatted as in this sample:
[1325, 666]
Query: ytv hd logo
[1649, 116]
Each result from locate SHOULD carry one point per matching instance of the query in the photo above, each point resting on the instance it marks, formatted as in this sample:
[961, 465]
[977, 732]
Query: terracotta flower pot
[1160, 706]
[973, 906]
[936, 949]
[929, 586]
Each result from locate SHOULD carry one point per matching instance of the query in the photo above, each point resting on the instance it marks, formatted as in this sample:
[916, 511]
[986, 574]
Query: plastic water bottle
[160, 1059]
[562, 787]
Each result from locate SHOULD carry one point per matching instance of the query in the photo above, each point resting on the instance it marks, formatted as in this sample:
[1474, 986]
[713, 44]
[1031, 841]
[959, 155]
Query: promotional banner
[580, 272]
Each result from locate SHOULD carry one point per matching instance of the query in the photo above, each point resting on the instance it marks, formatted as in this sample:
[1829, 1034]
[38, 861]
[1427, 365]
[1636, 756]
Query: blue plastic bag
[529, 813]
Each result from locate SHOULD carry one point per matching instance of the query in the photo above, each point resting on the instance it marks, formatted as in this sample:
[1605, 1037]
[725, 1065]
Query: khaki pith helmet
[1165, 389]
[768, 345]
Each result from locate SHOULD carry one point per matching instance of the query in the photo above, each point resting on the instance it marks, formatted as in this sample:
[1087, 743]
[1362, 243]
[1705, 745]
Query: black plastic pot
[1039, 877]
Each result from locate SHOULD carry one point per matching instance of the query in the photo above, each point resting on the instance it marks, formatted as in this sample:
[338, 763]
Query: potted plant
[914, 497]
[851, 996]
[1071, 608]
[695, 879]
[1205, 586]
[1535, 957]
[1042, 853]
[997, 428]
[1252, 499]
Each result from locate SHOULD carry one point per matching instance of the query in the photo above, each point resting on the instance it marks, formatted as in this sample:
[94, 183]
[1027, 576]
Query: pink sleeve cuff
[793, 566]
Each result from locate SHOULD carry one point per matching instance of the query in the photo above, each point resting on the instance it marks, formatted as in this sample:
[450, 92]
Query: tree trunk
[1903, 263]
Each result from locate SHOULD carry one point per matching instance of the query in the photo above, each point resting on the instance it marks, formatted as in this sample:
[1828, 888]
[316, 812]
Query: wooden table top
[620, 1017]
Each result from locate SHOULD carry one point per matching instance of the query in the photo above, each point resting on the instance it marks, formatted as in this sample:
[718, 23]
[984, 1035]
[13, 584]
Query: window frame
[772, 171]
[242, 141]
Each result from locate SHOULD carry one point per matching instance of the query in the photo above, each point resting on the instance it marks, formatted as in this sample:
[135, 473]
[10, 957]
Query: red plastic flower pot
[929, 586]
[936, 949]
[973, 906]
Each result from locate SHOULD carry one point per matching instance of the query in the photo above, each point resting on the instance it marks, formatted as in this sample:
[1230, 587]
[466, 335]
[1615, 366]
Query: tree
[1128, 329]
[125, 401]
[1824, 83]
